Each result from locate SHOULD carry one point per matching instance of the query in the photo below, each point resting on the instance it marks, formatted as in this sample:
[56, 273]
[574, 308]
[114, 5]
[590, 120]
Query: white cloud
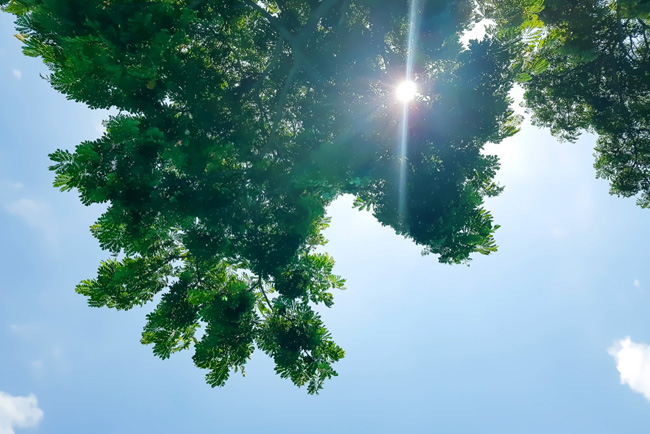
[18, 185]
[18, 412]
[17, 73]
[637, 283]
[35, 214]
[633, 363]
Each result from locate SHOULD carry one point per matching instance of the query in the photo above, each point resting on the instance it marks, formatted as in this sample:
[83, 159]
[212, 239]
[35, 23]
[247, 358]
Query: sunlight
[406, 91]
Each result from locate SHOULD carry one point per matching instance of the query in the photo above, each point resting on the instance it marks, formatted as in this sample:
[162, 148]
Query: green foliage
[239, 123]
[586, 69]
[124, 284]
[299, 343]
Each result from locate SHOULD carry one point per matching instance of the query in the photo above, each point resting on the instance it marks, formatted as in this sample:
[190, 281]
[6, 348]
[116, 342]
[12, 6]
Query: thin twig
[261, 287]
[270, 66]
[267, 299]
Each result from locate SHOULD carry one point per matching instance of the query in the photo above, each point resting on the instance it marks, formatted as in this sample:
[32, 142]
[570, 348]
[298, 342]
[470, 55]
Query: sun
[406, 91]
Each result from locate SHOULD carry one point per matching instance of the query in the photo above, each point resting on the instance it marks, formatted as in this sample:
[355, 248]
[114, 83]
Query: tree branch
[298, 42]
[283, 96]
[270, 66]
[261, 287]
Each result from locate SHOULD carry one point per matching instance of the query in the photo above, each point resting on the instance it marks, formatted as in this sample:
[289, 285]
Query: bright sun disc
[406, 91]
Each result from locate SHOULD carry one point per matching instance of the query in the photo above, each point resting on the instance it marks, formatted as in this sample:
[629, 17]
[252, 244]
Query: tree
[585, 65]
[239, 123]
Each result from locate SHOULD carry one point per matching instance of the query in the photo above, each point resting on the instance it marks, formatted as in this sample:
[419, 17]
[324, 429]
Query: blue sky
[531, 339]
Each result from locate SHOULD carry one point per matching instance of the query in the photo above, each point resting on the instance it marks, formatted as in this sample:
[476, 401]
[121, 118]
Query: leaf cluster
[239, 123]
[586, 69]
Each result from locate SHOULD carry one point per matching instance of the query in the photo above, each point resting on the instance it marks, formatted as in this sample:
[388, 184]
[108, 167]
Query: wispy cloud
[18, 412]
[39, 368]
[637, 283]
[633, 363]
[24, 330]
[558, 233]
[17, 73]
[7, 186]
[36, 214]
[50, 354]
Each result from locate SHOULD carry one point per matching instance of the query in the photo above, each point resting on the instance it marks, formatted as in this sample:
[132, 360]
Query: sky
[548, 335]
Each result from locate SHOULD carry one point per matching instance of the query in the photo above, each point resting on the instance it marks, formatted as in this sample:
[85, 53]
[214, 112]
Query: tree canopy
[240, 122]
[585, 66]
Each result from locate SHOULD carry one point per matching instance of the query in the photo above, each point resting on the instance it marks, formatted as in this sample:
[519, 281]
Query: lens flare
[406, 91]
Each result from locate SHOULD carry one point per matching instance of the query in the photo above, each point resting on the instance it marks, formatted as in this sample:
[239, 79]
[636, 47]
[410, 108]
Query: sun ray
[408, 86]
